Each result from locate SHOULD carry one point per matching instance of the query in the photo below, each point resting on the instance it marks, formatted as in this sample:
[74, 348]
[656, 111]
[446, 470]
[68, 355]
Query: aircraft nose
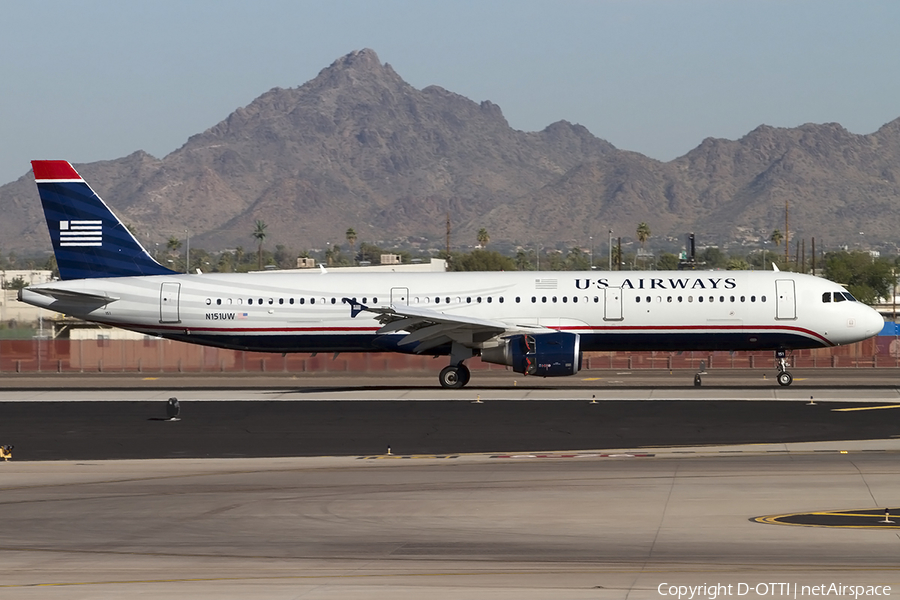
[873, 322]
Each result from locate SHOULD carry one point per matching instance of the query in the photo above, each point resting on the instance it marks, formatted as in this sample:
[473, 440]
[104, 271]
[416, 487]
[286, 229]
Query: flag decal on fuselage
[81, 233]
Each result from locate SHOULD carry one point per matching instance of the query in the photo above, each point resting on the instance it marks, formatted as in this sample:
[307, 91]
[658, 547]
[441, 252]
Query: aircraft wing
[432, 328]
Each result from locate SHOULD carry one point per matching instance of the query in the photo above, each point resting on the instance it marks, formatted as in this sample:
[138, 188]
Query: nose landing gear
[784, 377]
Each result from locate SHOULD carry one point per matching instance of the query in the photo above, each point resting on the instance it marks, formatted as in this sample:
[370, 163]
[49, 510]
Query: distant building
[390, 259]
[306, 263]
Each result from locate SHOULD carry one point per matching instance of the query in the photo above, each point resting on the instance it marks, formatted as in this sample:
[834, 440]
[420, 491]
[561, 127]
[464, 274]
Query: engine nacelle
[543, 354]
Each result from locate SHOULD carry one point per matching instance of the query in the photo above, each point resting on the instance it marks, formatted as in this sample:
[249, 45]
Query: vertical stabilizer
[88, 239]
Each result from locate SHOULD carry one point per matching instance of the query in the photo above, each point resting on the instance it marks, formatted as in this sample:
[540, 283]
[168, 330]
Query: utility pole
[187, 258]
[814, 256]
[448, 235]
[787, 235]
[610, 249]
[803, 256]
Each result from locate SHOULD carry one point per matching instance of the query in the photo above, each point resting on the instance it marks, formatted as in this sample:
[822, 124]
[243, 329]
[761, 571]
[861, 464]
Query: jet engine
[543, 354]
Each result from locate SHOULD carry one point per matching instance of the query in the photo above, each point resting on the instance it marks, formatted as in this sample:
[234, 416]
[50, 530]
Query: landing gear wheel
[785, 379]
[464, 374]
[454, 376]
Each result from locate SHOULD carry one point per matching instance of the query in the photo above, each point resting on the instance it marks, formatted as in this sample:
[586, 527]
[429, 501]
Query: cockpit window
[849, 296]
[839, 297]
[826, 297]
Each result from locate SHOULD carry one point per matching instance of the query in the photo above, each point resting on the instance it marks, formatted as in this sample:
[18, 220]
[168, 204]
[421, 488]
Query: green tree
[483, 237]
[667, 261]
[738, 264]
[866, 278]
[482, 260]
[173, 245]
[643, 233]
[259, 233]
[350, 234]
[525, 260]
[577, 260]
[776, 238]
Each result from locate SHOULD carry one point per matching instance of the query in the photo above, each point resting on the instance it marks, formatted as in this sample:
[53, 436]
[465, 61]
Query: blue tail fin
[88, 240]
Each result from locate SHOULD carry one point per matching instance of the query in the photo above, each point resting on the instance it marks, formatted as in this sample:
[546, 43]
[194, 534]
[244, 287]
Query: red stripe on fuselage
[53, 169]
[712, 329]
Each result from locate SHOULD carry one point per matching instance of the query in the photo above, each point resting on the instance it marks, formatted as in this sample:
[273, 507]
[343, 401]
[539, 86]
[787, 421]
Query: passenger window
[574, 299]
[219, 301]
[752, 298]
[762, 299]
[565, 299]
[544, 299]
[690, 298]
[333, 300]
[249, 300]
[679, 298]
[596, 299]
[743, 298]
[281, 301]
[518, 299]
[554, 299]
[469, 300]
[291, 300]
[489, 299]
[637, 298]
[668, 298]
[732, 298]
[312, 300]
[437, 299]
[208, 301]
[501, 299]
[302, 300]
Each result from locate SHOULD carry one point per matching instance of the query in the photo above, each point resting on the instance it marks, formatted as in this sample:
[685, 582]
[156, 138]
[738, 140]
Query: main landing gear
[784, 378]
[454, 376]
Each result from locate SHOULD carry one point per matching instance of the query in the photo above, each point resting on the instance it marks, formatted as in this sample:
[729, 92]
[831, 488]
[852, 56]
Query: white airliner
[538, 323]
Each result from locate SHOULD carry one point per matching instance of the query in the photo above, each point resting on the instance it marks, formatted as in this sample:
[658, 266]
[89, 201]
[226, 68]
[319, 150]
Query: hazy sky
[95, 80]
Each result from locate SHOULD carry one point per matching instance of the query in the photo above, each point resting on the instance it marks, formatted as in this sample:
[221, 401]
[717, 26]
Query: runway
[520, 498]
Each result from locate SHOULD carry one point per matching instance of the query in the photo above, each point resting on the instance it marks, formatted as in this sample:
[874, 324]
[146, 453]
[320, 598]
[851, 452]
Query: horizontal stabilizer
[72, 295]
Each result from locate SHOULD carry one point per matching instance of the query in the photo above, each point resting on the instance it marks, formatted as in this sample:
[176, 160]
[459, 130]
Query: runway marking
[490, 573]
[407, 456]
[574, 455]
[865, 408]
[868, 518]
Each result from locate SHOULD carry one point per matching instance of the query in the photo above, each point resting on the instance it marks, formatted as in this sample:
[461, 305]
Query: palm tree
[643, 233]
[483, 237]
[173, 244]
[260, 234]
[777, 237]
[351, 239]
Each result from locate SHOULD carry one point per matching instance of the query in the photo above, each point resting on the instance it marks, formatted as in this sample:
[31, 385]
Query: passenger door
[785, 299]
[169, 294]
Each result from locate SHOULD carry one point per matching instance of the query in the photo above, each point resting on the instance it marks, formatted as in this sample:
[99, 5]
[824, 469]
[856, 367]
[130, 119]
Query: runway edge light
[6, 452]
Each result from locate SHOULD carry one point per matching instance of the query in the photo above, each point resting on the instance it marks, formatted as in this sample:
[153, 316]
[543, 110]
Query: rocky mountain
[359, 147]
